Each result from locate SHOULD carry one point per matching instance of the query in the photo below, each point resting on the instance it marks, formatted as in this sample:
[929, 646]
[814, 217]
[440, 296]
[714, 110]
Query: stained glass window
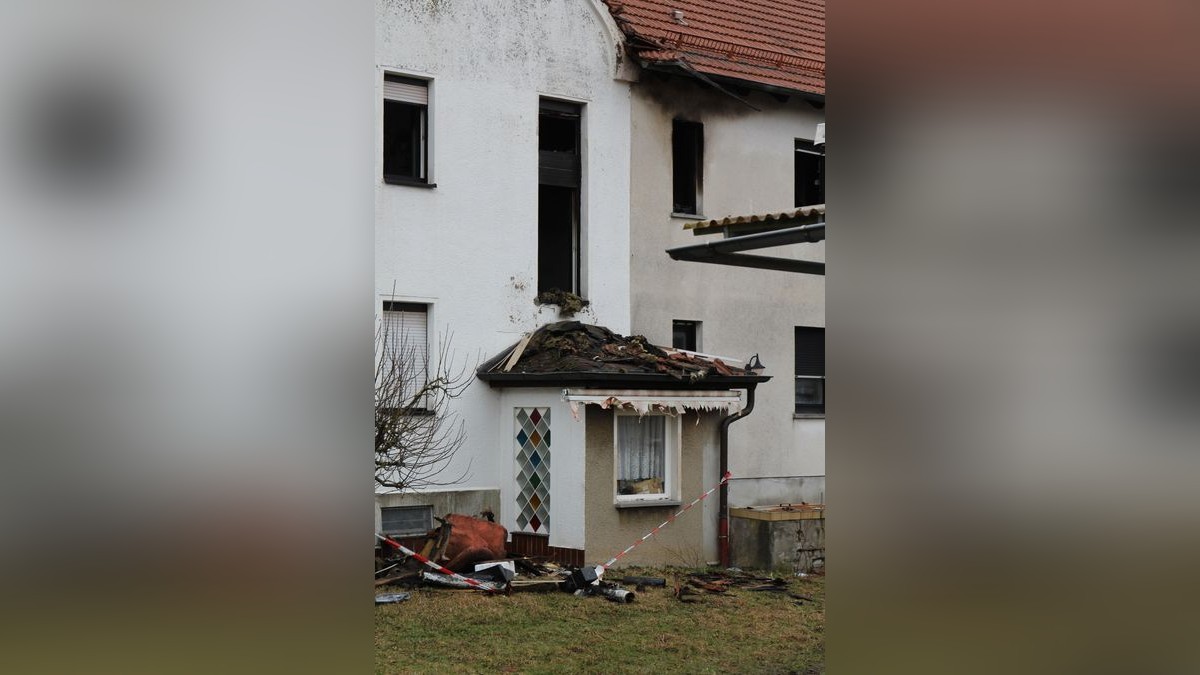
[532, 442]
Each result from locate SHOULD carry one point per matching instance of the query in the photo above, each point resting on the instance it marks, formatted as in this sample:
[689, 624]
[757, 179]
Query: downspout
[723, 516]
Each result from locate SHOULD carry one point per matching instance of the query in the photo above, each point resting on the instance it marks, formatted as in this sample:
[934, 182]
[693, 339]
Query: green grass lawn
[738, 631]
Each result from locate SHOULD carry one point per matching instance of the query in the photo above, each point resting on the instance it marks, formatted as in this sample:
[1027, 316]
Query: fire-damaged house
[611, 435]
[535, 162]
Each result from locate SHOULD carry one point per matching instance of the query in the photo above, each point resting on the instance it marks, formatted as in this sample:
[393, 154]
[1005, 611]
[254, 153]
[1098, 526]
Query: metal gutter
[723, 509]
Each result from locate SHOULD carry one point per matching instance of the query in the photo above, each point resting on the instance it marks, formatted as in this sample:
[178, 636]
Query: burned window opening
[559, 180]
[558, 133]
[685, 335]
[810, 173]
[687, 160]
[558, 239]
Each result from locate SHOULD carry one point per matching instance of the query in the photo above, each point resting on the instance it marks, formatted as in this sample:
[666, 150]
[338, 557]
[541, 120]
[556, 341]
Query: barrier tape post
[474, 583]
[668, 521]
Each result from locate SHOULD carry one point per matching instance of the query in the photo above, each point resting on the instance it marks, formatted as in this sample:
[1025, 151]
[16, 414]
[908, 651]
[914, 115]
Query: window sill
[688, 216]
[642, 503]
[411, 182]
[809, 416]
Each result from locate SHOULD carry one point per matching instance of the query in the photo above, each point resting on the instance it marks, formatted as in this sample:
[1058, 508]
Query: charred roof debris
[572, 348]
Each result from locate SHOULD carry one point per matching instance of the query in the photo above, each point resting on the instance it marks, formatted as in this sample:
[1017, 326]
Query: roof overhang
[723, 82]
[643, 401]
[731, 250]
[617, 380]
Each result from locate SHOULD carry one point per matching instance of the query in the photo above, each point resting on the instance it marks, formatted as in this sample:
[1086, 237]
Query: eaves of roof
[622, 380]
[734, 225]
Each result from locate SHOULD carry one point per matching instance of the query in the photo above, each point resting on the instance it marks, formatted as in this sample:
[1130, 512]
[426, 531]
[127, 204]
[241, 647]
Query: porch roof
[571, 353]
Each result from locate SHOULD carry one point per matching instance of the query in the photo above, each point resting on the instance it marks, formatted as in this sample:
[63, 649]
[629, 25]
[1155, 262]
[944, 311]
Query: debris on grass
[391, 598]
[657, 582]
[516, 573]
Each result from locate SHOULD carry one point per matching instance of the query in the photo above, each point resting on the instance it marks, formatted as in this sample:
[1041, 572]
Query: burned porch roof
[571, 353]
[777, 45]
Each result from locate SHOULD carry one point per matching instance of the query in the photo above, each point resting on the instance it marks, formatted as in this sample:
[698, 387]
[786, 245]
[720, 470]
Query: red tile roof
[777, 43]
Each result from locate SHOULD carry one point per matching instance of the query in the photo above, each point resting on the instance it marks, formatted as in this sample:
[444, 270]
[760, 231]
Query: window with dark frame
[405, 130]
[687, 161]
[559, 179]
[685, 335]
[810, 173]
[810, 370]
[406, 521]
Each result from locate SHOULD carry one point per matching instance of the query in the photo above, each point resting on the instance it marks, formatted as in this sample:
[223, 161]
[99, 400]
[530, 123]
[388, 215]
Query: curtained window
[647, 452]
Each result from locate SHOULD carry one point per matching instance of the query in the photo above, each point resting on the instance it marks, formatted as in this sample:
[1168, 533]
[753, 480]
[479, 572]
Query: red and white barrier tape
[473, 583]
[668, 521]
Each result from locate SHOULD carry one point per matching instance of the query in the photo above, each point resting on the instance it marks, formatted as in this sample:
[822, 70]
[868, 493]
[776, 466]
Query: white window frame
[429, 308]
[673, 447]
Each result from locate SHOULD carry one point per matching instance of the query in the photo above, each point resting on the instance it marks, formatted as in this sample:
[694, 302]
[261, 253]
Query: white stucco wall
[748, 168]
[468, 246]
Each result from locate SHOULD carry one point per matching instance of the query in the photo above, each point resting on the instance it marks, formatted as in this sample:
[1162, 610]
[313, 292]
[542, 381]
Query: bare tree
[416, 432]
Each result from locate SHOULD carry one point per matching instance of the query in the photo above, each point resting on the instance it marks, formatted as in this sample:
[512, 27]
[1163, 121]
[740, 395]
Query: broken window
[559, 180]
[810, 370]
[687, 159]
[810, 173]
[685, 335]
[647, 454]
[406, 521]
[404, 345]
[405, 130]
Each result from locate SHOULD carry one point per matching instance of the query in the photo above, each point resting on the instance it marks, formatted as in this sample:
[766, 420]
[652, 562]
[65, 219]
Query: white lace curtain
[642, 445]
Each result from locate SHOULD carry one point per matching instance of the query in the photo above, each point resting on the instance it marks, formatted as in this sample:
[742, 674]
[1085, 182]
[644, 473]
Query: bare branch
[416, 431]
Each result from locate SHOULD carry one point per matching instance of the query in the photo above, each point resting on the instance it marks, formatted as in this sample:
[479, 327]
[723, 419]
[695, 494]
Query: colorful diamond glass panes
[532, 455]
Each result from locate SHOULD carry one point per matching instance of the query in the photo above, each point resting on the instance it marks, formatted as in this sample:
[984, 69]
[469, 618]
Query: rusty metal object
[468, 540]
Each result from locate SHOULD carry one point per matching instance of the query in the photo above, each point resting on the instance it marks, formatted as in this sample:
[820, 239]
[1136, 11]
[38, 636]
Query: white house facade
[551, 152]
[462, 91]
